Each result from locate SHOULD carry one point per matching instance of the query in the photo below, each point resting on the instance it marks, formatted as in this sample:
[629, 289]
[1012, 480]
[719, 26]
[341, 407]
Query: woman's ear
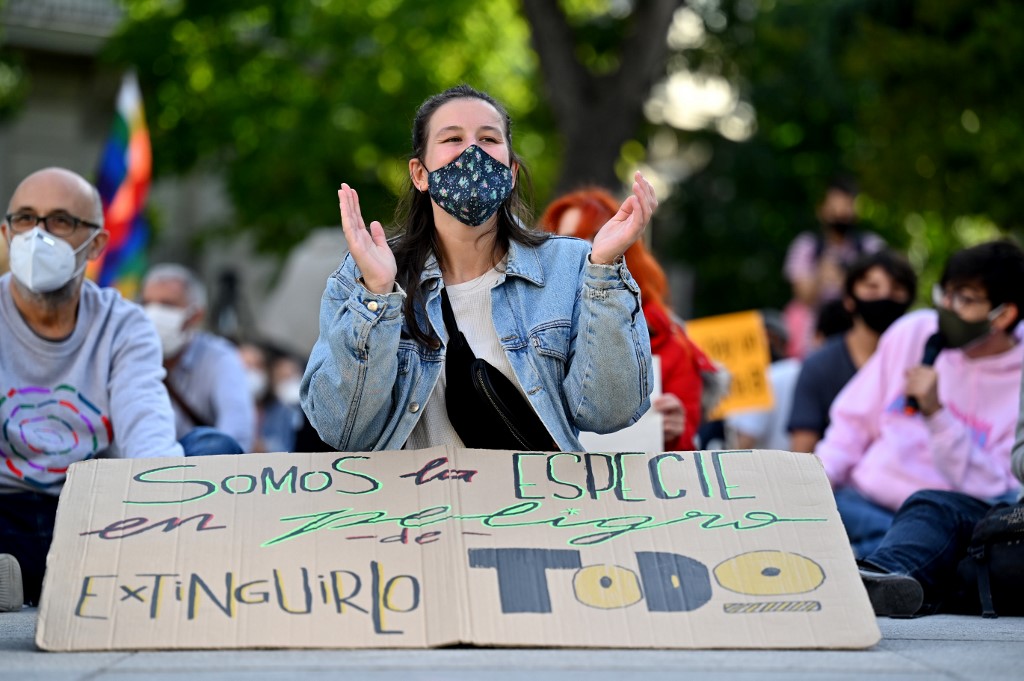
[419, 175]
[515, 172]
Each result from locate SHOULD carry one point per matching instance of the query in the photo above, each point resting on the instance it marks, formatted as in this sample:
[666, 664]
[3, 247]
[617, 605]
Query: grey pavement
[937, 647]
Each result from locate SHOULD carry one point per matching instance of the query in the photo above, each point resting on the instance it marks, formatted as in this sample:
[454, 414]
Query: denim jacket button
[414, 407]
[372, 306]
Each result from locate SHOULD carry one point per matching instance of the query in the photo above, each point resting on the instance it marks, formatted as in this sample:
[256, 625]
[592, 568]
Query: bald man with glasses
[81, 374]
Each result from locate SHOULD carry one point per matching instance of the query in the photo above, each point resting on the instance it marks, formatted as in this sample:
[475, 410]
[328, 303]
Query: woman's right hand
[673, 415]
[370, 249]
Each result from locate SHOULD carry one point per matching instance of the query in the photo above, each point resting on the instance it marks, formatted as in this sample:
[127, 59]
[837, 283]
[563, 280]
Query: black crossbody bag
[485, 408]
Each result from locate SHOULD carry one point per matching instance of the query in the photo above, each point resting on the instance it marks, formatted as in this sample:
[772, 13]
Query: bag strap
[454, 334]
[179, 400]
[980, 556]
[983, 534]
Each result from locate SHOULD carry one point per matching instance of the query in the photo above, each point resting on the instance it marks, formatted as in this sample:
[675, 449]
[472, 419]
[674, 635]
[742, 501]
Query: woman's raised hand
[626, 226]
[369, 249]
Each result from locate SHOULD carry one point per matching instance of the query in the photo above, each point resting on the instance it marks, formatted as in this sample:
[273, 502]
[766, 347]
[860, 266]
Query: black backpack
[992, 575]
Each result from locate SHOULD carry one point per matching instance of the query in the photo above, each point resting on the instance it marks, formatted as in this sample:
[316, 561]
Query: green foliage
[743, 209]
[13, 82]
[942, 141]
[914, 98]
[291, 98]
[13, 85]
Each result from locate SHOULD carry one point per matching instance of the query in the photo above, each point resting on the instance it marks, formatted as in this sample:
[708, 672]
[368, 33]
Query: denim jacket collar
[522, 262]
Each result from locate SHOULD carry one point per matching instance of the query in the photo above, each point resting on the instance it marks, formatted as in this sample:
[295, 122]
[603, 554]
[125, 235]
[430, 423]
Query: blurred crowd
[913, 414]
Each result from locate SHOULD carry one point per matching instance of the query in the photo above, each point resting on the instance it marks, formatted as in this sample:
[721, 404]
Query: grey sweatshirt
[98, 392]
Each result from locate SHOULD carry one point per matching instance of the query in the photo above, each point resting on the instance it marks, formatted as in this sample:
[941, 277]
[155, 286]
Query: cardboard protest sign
[443, 546]
[738, 341]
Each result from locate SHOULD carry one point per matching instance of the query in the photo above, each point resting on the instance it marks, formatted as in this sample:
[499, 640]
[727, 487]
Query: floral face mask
[472, 187]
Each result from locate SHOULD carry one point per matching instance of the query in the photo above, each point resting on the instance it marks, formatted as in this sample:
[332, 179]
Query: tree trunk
[596, 115]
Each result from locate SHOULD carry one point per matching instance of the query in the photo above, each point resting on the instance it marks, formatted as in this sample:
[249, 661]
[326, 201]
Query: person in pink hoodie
[919, 568]
[879, 450]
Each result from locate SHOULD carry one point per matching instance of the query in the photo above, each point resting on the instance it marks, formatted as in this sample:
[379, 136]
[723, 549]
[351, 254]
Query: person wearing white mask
[206, 378]
[282, 415]
[80, 370]
[274, 379]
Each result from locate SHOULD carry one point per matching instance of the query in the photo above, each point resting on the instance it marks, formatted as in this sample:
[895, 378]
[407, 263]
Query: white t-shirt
[471, 304]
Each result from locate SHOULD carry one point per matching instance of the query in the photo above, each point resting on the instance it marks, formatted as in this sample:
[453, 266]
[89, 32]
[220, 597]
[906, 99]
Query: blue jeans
[207, 441]
[866, 522]
[26, 530]
[928, 538]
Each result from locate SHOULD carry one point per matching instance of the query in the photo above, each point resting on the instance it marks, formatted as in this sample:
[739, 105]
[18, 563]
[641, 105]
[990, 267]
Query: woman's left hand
[626, 226]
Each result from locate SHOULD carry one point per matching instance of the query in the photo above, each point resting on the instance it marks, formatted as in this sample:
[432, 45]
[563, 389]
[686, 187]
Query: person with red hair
[581, 214]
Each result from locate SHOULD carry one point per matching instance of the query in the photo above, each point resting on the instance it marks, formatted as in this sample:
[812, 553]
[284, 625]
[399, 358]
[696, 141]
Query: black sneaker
[12, 595]
[892, 595]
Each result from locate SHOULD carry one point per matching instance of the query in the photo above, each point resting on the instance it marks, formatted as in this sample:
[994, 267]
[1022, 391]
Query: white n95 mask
[170, 326]
[43, 262]
[289, 392]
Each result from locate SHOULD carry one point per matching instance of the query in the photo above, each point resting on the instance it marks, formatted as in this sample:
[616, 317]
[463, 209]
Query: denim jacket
[574, 333]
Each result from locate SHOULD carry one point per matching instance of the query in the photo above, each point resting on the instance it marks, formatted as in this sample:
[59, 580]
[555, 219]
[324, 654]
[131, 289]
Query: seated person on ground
[878, 290]
[275, 378]
[684, 366]
[877, 451]
[71, 354]
[205, 375]
[915, 570]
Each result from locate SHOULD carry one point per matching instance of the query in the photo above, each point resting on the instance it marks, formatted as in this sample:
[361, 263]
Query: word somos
[177, 489]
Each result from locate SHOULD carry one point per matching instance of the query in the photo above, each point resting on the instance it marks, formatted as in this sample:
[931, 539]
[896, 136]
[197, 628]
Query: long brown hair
[414, 216]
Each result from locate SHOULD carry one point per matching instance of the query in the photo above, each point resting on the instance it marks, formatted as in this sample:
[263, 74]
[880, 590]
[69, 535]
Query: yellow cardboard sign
[738, 341]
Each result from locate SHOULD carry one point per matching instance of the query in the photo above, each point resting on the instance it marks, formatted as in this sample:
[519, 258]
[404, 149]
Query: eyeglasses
[58, 224]
[958, 300]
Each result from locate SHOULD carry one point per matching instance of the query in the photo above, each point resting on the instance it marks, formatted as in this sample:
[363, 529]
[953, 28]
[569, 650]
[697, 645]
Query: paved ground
[942, 647]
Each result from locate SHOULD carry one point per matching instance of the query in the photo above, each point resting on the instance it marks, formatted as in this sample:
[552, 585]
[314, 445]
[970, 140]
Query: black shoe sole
[893, 595]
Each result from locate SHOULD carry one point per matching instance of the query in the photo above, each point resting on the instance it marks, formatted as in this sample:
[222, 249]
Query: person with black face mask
[877, 453]
[878, 290]
[817, 262]
[470, 328]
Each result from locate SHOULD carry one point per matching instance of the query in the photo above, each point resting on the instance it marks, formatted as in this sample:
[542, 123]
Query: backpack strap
[980, 556]
[1001, 524]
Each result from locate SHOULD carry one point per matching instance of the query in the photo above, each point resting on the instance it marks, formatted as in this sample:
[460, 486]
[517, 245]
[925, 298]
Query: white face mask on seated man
[170, 326]
[43, 262]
